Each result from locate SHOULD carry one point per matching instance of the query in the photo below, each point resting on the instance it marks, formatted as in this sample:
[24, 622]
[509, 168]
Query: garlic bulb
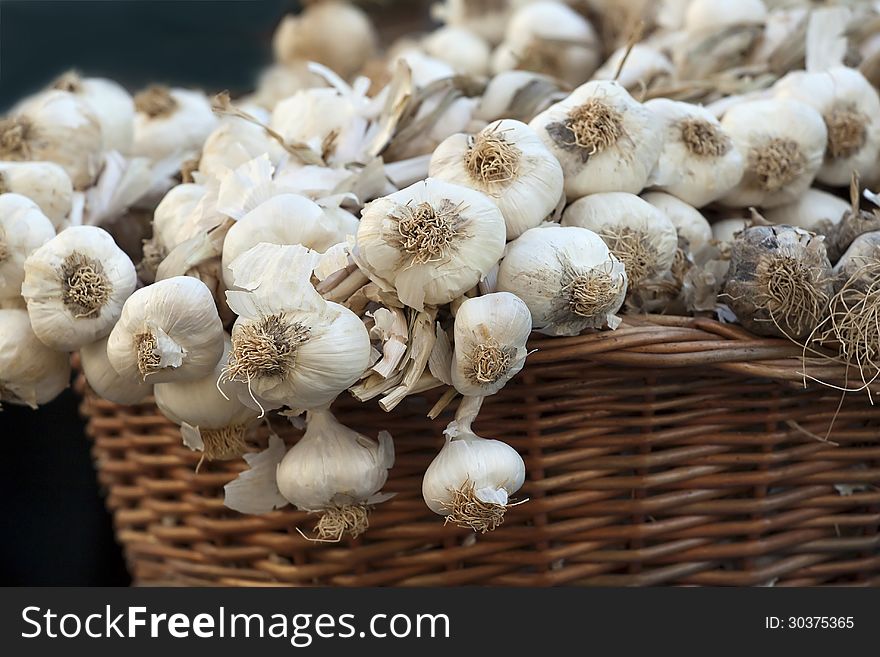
[604, 139]
[286, 219]
[779, 282]
[688, 222]
[726, 230]
[112, 104]
[282, 81]
[171, 123]
[644, 67]
[550, 38]
[75, 286]
[783, 142]
[168, 331]
[490, 343]
[106, 381]
[171, 224]
[698, 163]
[566, 276]
[860, 261]
[509, 163]
[289, 345]
[336, 34]
[30, 372]
[212, 419]
[815, 211]
[488, 18]
[235, 142]
[23, 229]
[462, 49]
[640, 235]
[430, 242]
[519, 95]
[850, 107]
[59, 127]
[45, 183]
[472, 478]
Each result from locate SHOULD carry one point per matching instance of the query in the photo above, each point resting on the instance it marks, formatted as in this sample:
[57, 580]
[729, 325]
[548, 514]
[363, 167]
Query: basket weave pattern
[671, 451]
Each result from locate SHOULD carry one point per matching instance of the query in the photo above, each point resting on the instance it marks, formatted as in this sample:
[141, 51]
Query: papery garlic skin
[59, 127]
[604, 139]
[465, 51]
[783, 142]
[430, 242]
[171, 123]
[642, 237]
[491, 332]
[726, 230]
[688, 221]
[106, 381]
[23, 229]
[235, 142]
[815, 211]
[644, 67]
[112, 104]
[45, 183]
[567, 277]
[509, 163]
[286, 219]
[699, 163]
[30, 372]
[519, 95]
[75, 286]
[171, 224]
[168, 331]
[850, 107]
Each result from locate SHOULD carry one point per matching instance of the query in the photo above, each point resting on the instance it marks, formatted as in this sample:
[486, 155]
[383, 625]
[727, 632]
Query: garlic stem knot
[85, 287]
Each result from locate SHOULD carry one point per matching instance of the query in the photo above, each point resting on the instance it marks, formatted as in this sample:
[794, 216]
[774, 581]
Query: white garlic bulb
[698, 163]
[235, 142]
[212, 418]
[640, 235]
[850, 107]
[509, 163]
[815, 211]
[567, 277]
[430, 242]
[171, 123]
[286, 219]
[783, 142]
[23, 229]
[519, 95]
[644, 66]
[491, 332]
[106, 381]
[168, 331]
[604, 139]
[112, 104]
[289, 345]
[30, 372]
[75, 286]
[336, 34]
[688, 221]
[550, 38]
[59, 127]
[726, 230]
[171, 221]
[463, 50]
[45, 183]
[281, 81]
[488, 18]
[472, 478]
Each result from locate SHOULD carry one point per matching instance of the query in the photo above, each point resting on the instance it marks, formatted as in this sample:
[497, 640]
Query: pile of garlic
[384, 224]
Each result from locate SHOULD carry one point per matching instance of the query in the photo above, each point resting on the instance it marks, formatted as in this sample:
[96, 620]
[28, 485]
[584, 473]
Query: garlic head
[45, 183]
[30, 372]
[106, 381]
[23, 229]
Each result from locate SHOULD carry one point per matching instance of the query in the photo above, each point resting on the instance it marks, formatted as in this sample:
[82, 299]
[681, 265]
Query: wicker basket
[671, 451]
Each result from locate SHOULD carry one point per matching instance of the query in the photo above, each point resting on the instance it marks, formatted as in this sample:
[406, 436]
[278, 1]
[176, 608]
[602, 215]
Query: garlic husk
[23, 229]
[112, 104]
[75, 286]
[726, 230]
[519, 95]
[171, 123]
[336, 34]
[783, 143]
[642, 237]
[699, 163]
[472, 478]
[168, 331]
[45, 183]
[463, 50]
[688, 221]
[31, 373]
[490, 332]
[286, 219]
[850, 107]
[567, 277]
[235, 142]
[106, 381]
[779, 282]
[59, 127]
[815, 211]
[212, 418]
[550, 38]
[644, 67]
[604, 139]
[509, 163]
[430, 242]
[289, 345]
